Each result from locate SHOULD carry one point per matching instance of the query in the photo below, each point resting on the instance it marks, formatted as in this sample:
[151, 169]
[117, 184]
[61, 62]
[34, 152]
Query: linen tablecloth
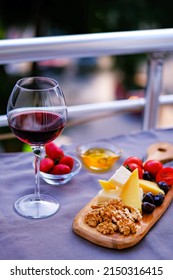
[52, 238]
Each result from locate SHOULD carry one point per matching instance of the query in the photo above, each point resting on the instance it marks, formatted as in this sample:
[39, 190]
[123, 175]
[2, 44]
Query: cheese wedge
[117, 181]
[106, 185]
[149, 186]
[104, 195]
[131, 195]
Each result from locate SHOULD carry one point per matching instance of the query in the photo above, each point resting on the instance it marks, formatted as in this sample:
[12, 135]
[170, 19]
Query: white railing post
[154, 42]
[153, 90]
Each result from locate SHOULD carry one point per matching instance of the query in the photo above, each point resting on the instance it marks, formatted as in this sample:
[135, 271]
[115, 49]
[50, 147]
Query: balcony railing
[155, 43]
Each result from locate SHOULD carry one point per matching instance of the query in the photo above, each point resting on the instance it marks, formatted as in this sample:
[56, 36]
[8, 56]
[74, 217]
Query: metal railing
[155, 43]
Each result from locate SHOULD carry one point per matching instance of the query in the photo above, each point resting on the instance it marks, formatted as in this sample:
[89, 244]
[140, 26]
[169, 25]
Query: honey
[99, 159]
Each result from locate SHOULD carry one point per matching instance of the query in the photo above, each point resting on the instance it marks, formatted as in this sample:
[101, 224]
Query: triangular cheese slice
[149, 186]
[131, 192]
[117, 181]
[106, 185]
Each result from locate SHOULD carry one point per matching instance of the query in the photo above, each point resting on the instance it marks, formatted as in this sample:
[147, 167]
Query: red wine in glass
[36, 127]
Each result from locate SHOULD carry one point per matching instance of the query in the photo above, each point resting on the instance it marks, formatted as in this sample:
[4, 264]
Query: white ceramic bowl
[62, 179]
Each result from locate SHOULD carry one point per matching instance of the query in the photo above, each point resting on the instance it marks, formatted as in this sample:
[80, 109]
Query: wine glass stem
[37, 156]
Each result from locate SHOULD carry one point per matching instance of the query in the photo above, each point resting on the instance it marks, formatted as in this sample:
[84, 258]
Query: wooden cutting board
[118, 240]
[160, 151]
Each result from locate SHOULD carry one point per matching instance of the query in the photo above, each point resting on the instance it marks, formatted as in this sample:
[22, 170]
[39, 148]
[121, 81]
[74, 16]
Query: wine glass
[37, 114]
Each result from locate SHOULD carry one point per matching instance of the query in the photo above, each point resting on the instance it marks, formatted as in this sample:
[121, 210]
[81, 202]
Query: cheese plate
[118, 240]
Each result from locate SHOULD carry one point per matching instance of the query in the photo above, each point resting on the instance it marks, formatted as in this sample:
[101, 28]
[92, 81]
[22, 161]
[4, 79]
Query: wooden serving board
[118, 240]
[159, 151]
[162, 151]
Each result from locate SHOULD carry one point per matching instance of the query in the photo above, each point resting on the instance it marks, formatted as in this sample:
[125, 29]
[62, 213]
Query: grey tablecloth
[53, 238]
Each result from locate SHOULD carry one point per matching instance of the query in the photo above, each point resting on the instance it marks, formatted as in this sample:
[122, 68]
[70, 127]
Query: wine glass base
[30, 207]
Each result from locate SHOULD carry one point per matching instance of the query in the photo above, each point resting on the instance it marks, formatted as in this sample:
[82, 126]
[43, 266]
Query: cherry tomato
[165, 174]
[136, 160]
[152, 166]
[132, 166]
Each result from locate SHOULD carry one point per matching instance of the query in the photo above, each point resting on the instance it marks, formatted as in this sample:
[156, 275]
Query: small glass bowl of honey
[99, 156]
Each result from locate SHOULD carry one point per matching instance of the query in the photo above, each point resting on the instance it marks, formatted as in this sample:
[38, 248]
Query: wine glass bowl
[37, 114]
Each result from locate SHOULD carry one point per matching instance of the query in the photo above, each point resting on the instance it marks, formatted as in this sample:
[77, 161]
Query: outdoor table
[52, 238]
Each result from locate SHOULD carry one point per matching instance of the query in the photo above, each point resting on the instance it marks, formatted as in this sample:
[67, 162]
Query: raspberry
[60, 169]
[46, 164]
[67, 160]
[53, 151]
